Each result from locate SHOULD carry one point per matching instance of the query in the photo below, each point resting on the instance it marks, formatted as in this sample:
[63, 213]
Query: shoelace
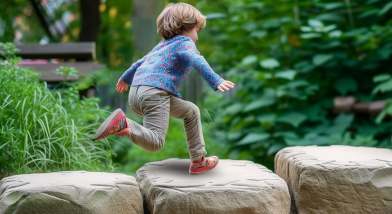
[121, 124]
[118, 127]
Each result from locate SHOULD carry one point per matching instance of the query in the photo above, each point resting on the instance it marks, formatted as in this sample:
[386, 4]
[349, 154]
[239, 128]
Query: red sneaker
[116, 123]
[205, 165]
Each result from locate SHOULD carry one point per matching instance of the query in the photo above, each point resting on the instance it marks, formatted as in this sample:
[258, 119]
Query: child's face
[192, 33]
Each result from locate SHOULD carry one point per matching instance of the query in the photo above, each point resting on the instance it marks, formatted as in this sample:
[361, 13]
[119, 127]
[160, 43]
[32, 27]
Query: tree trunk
[89, 10]
[144, 18]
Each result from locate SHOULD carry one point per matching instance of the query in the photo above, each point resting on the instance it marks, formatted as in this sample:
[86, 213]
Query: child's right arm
[189, 53]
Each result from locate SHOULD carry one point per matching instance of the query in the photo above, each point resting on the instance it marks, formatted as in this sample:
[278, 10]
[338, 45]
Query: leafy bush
[290, 66]
[42, 130]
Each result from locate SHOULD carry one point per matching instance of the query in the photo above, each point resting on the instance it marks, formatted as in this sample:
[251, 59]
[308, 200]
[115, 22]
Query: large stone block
[70, 192]
[337, 179]
[233, 187]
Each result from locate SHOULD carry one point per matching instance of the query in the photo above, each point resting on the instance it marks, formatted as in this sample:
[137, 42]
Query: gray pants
[155, 106]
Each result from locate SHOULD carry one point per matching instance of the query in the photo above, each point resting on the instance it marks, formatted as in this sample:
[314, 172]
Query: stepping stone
[235, 187]
[337, 179]
[70, 192]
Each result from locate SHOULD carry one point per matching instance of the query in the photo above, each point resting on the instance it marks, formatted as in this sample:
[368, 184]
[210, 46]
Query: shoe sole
[198, 173]
[101, 130]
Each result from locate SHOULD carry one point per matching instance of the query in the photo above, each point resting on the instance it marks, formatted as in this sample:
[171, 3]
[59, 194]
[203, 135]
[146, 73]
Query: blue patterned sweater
[168, 65]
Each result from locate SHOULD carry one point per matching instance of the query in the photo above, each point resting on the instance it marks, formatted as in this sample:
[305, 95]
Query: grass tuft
[45, 131]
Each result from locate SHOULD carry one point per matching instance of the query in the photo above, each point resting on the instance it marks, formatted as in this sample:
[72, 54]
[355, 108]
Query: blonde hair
[177, 18]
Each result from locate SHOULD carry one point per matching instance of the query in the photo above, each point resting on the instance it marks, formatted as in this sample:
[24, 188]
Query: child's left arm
[121, 86]
[190, 53]
[128, 75]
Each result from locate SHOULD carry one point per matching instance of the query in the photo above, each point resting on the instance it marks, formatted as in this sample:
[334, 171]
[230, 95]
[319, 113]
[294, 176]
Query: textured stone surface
[233, 187]
[337, 179]
[70, 192]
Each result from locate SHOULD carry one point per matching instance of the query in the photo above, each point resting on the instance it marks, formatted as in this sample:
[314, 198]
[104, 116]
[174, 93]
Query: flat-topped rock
[70, 192]
[235, 187]
[337, 179]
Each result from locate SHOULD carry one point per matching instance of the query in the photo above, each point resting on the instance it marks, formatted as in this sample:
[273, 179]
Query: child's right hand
[225, 86]
[121, 86]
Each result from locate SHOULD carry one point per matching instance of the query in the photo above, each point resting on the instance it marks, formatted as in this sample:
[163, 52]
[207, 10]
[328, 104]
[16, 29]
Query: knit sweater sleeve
[189, 53]
[128, 75]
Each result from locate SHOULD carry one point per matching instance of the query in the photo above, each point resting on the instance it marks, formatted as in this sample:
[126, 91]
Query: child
[154, 82]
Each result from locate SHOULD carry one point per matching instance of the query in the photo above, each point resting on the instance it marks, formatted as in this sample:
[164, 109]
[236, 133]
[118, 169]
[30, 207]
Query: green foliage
[19, 22]
[289, 67]
[289, 60]
[16, 15]
[115, 48]
[43, 131]
[115, 45]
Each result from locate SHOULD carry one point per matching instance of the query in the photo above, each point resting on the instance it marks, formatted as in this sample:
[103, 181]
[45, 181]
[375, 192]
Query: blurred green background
[295, 64]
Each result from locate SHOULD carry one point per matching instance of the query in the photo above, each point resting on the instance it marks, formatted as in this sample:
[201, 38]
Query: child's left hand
[121, 86]
[225, 86]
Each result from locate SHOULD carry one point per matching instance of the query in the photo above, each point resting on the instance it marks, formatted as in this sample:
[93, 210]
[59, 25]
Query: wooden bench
[79, 51]
[39, 58]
